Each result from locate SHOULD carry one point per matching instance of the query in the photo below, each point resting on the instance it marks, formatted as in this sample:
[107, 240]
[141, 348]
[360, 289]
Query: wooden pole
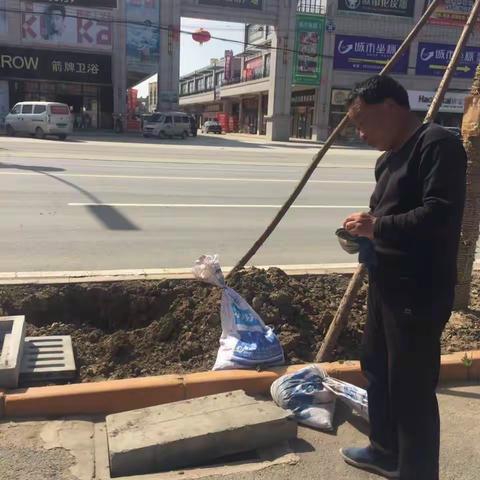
[333, 136]
[341, 317]
[452, 66]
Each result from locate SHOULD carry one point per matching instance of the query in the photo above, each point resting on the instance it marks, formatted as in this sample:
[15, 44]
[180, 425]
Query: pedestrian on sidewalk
[414, 223]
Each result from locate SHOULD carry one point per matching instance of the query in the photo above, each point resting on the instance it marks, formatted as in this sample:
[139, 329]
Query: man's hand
[360, 224]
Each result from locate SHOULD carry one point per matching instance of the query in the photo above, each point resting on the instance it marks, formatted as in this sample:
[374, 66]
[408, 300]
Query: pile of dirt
[130, 329]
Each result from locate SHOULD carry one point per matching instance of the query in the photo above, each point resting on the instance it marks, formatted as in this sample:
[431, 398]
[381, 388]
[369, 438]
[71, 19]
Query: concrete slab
[193, 432]
[76, 437]
[47, 359]
[12, 335]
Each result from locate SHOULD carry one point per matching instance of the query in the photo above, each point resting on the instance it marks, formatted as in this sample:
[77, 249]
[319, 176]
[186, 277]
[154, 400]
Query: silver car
[167, 125]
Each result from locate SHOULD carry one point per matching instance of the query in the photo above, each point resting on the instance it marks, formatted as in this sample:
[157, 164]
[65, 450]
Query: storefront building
[361, 37]
[345, 44]
[53, 52]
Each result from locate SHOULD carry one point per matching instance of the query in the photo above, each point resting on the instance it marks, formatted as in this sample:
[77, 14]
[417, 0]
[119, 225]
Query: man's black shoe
[372, 460]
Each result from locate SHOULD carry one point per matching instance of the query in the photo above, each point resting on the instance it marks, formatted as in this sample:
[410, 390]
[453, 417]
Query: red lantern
[201, 36]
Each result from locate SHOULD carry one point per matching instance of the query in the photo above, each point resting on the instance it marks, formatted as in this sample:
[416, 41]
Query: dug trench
[131, 329]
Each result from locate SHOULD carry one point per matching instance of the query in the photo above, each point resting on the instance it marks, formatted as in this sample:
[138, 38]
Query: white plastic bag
[355, 397]
[304, 394]
[245, 342]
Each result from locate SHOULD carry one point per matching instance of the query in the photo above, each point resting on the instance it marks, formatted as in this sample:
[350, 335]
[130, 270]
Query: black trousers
[401, 360]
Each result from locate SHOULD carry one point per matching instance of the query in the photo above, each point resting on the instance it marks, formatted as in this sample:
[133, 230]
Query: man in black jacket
[414, 223]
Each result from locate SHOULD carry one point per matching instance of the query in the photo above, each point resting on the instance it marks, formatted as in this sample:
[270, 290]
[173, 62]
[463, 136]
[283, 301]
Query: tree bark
[471, 215]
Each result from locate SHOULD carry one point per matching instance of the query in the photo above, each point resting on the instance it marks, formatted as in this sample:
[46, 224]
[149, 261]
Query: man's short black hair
[56, 9]
[377, 89]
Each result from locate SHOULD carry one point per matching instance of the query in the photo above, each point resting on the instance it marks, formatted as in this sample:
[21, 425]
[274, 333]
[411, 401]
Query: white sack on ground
[246, 342]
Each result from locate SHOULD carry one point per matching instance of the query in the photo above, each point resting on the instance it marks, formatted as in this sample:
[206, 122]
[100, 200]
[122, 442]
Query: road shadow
[107, 215]
[31, 168]
[447, 390]
[218, 141]
[344, 414]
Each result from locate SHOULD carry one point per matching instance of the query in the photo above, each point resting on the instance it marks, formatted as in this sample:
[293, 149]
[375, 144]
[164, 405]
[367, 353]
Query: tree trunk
[471, 216]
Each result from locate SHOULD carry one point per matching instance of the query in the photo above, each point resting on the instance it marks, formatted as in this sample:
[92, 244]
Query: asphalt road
[126, 203]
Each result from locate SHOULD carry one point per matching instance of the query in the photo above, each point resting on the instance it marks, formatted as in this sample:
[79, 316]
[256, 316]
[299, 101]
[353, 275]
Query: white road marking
[178, 160]
[210, 205]
[208, 179]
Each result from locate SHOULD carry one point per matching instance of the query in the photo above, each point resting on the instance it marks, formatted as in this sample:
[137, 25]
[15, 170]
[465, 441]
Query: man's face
[377, 125]
[57, 22]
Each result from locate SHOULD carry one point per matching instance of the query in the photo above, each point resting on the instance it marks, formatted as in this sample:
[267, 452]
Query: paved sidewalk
[75, 449]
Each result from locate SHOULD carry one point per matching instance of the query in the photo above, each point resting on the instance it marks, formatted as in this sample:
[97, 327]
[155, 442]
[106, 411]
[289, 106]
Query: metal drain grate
[47, 359]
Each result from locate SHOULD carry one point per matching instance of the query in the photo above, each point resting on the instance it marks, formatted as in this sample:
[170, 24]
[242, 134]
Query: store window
[89, 109]
[200, 84]
[303, 103]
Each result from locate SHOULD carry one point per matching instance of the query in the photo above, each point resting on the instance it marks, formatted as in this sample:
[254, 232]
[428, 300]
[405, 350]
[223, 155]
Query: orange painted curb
[129, 394]
[252, 381]
[460, 367]
[2, 402]
[100, 397]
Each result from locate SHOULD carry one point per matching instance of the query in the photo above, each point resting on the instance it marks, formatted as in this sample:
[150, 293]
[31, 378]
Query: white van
[167, 124]
[40, 119]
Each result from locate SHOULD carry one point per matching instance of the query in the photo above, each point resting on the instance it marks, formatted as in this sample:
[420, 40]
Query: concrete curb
[97, 276]
[121, 395]
[128, 275]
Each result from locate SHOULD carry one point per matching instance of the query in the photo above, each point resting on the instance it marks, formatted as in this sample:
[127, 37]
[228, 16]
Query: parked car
[212, 126]
[167, 124]
[40, 119]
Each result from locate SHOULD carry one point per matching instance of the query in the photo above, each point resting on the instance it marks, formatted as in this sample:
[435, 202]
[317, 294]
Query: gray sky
[194, 56]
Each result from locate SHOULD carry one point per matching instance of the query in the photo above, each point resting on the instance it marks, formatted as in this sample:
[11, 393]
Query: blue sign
[367, 54]
[433, 59]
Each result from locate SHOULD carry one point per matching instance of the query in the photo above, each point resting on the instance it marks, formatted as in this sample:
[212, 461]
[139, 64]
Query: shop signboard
[228, 68]
[56, 24]
[339, 96]
[453, 102]
[307, 60]
[398, 8]
[249, 4]
[3, 17]
[83, 3]
[367, 54]
[27, 63]
[143, 35]
[253, 69]
[453, 13]
[169, 96]
[433, 59]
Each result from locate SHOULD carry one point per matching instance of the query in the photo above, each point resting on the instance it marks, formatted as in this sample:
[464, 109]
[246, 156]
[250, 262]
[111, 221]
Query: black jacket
[418, 202]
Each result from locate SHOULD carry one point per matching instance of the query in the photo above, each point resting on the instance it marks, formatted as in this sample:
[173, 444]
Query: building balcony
[205, 96]
[245, 87]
